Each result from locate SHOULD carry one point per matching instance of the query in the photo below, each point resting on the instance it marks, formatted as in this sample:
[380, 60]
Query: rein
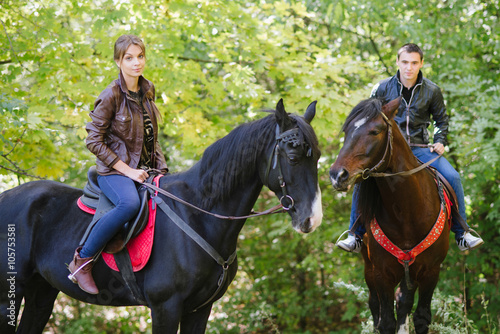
[276, 209]
[288, 136]
[292, 136]
[388, 152]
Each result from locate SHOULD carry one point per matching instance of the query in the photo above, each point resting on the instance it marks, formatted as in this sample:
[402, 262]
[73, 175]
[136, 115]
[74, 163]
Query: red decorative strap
[410, 255]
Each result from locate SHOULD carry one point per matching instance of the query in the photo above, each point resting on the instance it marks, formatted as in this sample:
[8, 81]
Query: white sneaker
[350, 244]
[468, 241]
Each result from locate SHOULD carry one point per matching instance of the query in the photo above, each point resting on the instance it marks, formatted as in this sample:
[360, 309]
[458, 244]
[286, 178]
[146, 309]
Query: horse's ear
[390, 109]
[310, 112]
[281, 115]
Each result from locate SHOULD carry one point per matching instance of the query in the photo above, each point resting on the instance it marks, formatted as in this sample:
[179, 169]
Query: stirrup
[72, 275]
[337, 242]
[470, 230]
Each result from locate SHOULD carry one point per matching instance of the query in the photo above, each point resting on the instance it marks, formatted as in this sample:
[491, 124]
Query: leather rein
[291, 135]
[387, 158]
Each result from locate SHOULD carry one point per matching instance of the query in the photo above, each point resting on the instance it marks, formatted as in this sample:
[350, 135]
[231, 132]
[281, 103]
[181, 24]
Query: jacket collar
[420, 78]
[143, 83]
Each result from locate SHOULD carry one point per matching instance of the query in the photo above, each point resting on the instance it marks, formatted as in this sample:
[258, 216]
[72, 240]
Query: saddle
[93, 198]
[452, 197]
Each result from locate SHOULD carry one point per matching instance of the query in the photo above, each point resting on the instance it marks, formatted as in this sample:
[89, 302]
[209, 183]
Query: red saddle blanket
[139, 248]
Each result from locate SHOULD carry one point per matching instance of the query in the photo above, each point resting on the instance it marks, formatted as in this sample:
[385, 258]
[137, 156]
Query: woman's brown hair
[122, 44]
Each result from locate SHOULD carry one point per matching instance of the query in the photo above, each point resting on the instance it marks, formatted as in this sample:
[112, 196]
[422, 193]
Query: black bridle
[290, 136]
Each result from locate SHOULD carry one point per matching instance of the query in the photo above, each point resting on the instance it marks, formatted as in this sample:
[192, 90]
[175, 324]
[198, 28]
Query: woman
[123, 134]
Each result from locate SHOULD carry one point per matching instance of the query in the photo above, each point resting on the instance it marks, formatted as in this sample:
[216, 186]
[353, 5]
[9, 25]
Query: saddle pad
[139, 248]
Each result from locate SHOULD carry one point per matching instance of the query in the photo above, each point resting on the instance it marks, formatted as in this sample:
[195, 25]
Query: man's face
[409, 65]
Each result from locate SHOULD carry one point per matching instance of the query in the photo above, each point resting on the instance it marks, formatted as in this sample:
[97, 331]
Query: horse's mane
[231, 160]
[368, 108]
[369, 200]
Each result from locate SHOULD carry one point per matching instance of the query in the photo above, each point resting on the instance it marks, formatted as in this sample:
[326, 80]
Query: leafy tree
[216, 64]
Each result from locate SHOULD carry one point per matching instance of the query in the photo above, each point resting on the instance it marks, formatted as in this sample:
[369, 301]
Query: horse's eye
[374, 132]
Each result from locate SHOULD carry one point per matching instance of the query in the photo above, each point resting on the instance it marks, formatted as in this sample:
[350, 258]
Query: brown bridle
[387, 158]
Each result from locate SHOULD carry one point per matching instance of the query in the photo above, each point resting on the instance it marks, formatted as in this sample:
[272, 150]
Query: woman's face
[133, 62]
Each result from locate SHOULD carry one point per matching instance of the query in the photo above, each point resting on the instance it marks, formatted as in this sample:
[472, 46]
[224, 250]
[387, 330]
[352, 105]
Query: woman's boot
[81, 273]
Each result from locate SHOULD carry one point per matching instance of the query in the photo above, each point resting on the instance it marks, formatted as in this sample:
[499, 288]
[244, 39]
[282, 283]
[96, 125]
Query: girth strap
[202, 243]
[124, 264]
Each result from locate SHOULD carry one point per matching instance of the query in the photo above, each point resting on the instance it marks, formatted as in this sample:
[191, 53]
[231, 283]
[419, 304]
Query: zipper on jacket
[408, 104]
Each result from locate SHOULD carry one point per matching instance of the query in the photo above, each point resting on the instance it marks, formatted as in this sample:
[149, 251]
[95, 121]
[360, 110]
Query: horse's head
[367, 143]
[292, 168]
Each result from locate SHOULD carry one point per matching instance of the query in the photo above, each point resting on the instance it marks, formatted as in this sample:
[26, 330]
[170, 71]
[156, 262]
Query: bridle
[290, 136]
[388, 155]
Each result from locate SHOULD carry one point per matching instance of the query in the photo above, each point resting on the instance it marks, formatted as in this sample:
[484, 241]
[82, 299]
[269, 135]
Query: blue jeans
[443, 167]
[122, 192]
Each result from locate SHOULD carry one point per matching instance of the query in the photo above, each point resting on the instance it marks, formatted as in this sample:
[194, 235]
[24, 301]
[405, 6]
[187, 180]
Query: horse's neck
[409, 200]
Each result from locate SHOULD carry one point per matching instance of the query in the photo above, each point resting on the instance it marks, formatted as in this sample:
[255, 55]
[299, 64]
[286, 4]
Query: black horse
[41, 225]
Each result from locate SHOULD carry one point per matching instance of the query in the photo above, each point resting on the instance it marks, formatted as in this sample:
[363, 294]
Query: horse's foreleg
[422, 316]
[196, 323]
[404, 303]
[373, 301]
[385, 291]
[11, 296]
[8, 316]
[166, 317]
[39, 302]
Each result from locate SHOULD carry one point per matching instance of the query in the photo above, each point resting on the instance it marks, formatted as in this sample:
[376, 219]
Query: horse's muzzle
[310, 223]
[340, 179]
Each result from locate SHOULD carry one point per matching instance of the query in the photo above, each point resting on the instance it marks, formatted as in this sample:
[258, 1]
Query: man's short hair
[409, 48]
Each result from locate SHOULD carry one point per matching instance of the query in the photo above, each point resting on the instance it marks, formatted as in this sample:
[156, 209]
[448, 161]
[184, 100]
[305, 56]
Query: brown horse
[395, 191]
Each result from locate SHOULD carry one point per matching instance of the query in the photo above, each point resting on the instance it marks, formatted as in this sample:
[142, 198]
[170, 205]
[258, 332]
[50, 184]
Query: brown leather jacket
[117, 128]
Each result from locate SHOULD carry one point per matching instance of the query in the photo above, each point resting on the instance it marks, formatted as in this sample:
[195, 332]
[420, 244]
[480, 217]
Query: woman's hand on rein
[138, 175]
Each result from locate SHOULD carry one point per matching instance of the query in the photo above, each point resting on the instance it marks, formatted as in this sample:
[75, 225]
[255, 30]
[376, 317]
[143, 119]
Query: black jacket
[414, 116]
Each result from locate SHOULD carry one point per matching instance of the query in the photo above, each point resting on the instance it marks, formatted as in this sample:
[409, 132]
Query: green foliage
[216, 64]
[71, 316]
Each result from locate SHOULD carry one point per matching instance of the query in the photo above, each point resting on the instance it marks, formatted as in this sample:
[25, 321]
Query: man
[421, 101]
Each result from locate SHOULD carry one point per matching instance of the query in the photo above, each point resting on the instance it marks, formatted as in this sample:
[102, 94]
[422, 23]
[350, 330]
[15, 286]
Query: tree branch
[12, 47]
[353, 32]
[21, 172]
[17, 169]
[374, 45]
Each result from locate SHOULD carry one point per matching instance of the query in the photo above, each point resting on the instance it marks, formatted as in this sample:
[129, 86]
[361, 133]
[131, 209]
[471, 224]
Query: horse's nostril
[343, 175]
[307, 226]
[339, 176]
